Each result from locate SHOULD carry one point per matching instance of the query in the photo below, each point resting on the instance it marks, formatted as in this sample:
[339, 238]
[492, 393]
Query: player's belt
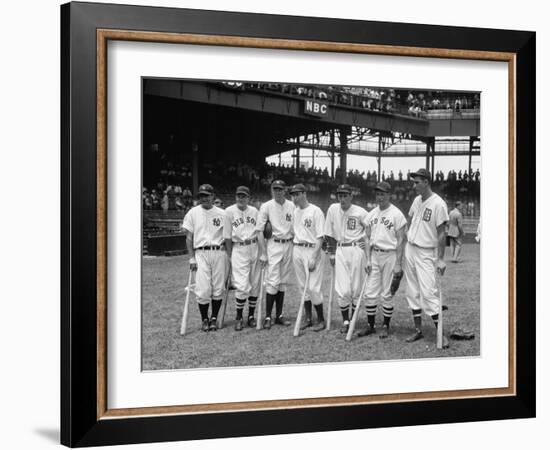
[282, 241]
[418, 246]
[304, 244]
[376, 249]
[347, 244]
[211, 247]
[246, 242]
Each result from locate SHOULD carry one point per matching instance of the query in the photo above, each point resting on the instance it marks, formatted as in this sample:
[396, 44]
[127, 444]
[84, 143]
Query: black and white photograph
[287, 224]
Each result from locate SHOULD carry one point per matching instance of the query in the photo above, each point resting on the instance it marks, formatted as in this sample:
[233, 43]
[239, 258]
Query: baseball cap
[278, 184]
[298, 188]
[383, 186]
[423, 173]
[206, 189]
[243, 190]
[344, 189]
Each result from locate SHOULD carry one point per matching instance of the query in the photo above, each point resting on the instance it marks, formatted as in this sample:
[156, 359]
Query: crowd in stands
[415, 103]
[172, 191]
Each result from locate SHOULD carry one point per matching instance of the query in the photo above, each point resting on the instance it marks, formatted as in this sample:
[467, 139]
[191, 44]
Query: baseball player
[425, 252]
[455, 232]
[241, 244]
[276, 253]
[345, 230]
[204, 225]
[308, 226]
[386, 226]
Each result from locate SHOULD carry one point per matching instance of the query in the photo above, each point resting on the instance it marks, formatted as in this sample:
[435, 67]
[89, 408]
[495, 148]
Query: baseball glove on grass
[460, 334]
[268, 230]
[395, 282]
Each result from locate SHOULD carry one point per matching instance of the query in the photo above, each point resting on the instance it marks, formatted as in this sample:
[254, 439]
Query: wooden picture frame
[85, 416]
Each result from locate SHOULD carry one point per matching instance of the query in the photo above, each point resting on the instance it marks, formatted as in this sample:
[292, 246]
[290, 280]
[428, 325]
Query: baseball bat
[356, 313]
[183, 327]
[440, 320]
[221, 317]
[302, 301]
[260, 301]
[330, 296]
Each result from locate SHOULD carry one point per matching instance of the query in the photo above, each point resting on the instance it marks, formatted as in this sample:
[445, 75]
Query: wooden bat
[330, 296]
[221, 317]
[183, 327]
[440, 319]
[301, 309]
[260, 300]
[356, 313]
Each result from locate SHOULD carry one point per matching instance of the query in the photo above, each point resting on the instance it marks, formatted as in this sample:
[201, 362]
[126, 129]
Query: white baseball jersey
[205, 224]
[345, 226]
[280, 217]
[308, 224]
[384, 225]
[426, 217]
[240, 225]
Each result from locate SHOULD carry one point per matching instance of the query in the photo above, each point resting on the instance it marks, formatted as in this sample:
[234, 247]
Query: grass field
[163, 295]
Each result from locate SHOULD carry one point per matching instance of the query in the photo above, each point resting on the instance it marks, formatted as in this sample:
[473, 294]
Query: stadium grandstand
[229, 133]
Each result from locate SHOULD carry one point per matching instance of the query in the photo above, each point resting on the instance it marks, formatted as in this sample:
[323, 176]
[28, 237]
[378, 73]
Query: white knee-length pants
[211, 275]
[279, 266]
[301, 258]
[420, 273]
[245, 270]
[349, 274]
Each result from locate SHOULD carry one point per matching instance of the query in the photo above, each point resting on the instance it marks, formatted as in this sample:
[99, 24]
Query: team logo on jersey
[308, 223]
[352, 223]
[289, 217]
[250, 220]
[427, 215]
[216, 221]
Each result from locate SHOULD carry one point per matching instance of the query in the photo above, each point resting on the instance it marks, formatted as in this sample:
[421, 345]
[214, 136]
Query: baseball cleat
[204, 326]
[320, 326]
[282, 321]
[445, 342]
[238, 324]
[267, 323]
[213, 326]
[415, 336]
[384, 333]
[367, 331]
[307, 324]
[345, 327]
[251, 322]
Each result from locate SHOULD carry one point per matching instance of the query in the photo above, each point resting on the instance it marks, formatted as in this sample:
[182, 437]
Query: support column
[195, 158]
[433, 159]
[343, 155]
[470, 150]
[379, 159]
[428, 152]
[297, 161]
[332, 153]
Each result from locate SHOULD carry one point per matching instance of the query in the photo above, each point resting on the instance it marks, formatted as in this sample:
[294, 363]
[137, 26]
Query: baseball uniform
[384, 226]
[455, 233]
[279, 254]
[308, 229]
[240, 228]
[279, 247]
[421, 253]
[348, 229]
[207, 227]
